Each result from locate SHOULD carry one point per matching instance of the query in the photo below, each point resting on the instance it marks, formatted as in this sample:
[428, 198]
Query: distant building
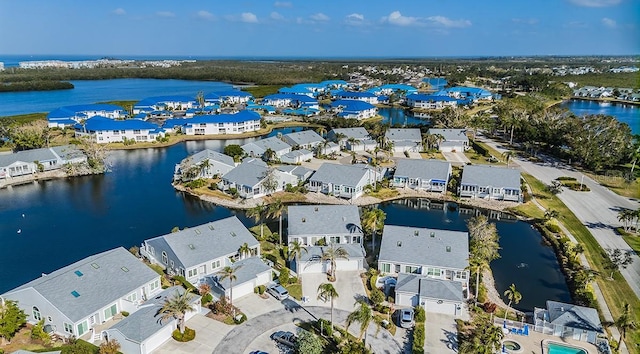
[430, 101]
[306, 139]
[206, 164]
[213, 124]
[357, 95]
[70, 115]
[105, 130]
[354, 109]
[164, 103]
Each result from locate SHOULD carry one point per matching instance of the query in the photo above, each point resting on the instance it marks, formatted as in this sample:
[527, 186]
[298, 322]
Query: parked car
[258, 352]
[286, 338]
[406, 318]
[278, 291]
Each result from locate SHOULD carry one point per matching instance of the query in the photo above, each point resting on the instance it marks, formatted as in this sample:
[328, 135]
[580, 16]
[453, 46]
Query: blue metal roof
[355, 94]
[242, 116]
[233, 93]
[152, 101]
[98, 123]
[434, 98]
[72, 111]
[352, 105]
[292, 97]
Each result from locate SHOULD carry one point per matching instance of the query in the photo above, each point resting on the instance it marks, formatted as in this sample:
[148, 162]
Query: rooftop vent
[78, 273]
[198, 232]
[416, 233]
[448, 248]
[433, 234]
[191, 246]
[304, 220]
[95, 265]
[233, 234]
[75, 293]
[211, 227]
[399, 243]
[124, 269]
[316, 208]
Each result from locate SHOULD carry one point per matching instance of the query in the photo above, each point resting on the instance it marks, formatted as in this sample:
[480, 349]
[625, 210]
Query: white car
[406, 318]
[278, 291]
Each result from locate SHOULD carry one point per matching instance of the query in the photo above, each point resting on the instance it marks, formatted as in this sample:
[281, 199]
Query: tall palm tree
[508, 155]
[514, 297]
[295, 249]
[477, 265]
[231, 274]
[327, 291]
[177, 307]
[204, 167]
[321, 131]
[373, 220]
[244, 250]
[353, 142]
[257, 213]
[362, 315]
[332, 253]
[625, 322]
[276, 209]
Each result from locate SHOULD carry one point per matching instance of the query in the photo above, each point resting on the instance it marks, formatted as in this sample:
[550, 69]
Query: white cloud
[119, 11]
[354, 19]
[165, 14]
[396, 18]
[248, 17]
[320, 17]
[205, 15]
[595, 3]
[282, 4]
[276, 16]
[526, 21]
[449, 23]
[609, 22]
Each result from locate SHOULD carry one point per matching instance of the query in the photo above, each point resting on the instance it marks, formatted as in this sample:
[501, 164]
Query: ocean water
[625, 113]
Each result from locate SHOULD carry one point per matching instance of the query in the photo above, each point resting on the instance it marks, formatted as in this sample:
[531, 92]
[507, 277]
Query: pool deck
[534, 343]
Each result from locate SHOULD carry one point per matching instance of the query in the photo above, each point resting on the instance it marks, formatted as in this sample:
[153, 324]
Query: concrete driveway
[253, 305]
[348, 284]
[209, 333]
[456, 158]
[440, 334]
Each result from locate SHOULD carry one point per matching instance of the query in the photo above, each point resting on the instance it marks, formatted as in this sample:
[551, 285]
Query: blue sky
[328, 28]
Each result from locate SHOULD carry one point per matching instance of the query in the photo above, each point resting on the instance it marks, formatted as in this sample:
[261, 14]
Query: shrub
[420, 315]
[125, 313]
[418, 339]
[566, 178]
[207, 298]
[37, 332]
[198, 183]
[188, 335]
[377, 296]
[261, 289]
[240, 318]
[221, 307]
[185, 283]
[324, 327]
[284, 276]
[553, 228]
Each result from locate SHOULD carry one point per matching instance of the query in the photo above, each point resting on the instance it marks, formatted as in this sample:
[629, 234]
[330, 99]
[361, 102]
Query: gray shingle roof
[359, 133]
[262, 145]
[400, 134]
[303, 138]
[100, 281]
[491, 176]
[247, 271]
[451, 134]
[299, 171]
[209, 241]
[68, 152]
[212, 155]
[297, 153]
[247, 173]
[574, 316]
[346, 175]
[323, 220]
[401, 245]
[354, 250]
[145, 322]
[423, 169]
[430, 287]
[43, 154]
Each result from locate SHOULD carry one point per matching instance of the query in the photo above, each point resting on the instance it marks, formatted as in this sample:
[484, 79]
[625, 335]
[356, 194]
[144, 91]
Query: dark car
[286, 338]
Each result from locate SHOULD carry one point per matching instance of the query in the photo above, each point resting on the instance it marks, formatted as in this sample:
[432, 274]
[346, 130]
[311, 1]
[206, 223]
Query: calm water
[400, 116]
[625, 113]
[92, 91]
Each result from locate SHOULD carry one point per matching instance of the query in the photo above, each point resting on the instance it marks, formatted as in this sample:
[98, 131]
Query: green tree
[270, 180]
[483, 245]
[12, 318]
[234, 151]
[617, 259]
[372, 221]
[177, 307]
[331, 254]
[276, 210]
[309, 343]
[625, 322]
[231, 274]
[295, 250]
[326, 291]
[508, 155]
[362, 315]
[109, 347]
[257, 213]
[244, 250]
[514, 297]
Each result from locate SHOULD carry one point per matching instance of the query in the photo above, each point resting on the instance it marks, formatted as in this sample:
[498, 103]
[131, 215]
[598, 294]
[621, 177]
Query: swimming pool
[556, 348]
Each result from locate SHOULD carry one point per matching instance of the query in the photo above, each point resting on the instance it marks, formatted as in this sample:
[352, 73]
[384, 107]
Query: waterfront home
[311, 261]
[397, 89]
[143, 331]
[352, 139]
[364, 96]
[328, 148]
[424, 175]
[164, 103]
[296, 156]
[234, 96]
[488, 182]
[306, 139]
[103, 130]
[451, 140]
[568, 321]
[282, 100]
[467, 95]
[421, 253]
[259, 147]
[430, 101]
[344, 181]
[353, 109]
[404, 139]
[205, 164]
[77, 299]
[202, 250]
[338, 224]
[212, 124]
[69, 115]
[249, 179]
[35, 160]
[250, 273]
[301, 173]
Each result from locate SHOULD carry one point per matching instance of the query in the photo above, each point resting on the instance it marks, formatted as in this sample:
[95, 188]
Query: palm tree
[508, 155]
[295, 249]
[231, 274]
[626, 216]
[513, 295]
[200, 100]
[373, 220]
[331, 254]
[257, 212]
[321, 131]
[625, 322]
[204, 167]
[478, 265]
[177, 307]
[362, 315]
[353, 142]
[269, 154]
[276, 209]
[327, 291]
[244, 250]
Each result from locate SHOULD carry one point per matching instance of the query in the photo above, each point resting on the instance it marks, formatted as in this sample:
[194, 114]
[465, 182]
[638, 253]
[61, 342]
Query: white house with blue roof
[164, 103]
[212, 124]
[424, 101]
[467, 95]
[282, 100]
[309, 90]
[353, 109]
[75, 299]
[234, 96]
[69, 115]
[364, 96]
[489, 182]
[398, 89]
[105, 130]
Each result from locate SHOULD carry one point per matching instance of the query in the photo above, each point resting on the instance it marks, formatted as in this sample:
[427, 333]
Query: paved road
[237, 340]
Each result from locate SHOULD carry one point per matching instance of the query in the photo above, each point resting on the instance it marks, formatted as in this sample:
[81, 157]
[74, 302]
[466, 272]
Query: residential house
[568, 321]
[165, 103]
[45, 159]
[364, 96]
[338, 224]
[490, 182]
[311, 261]
[397, 89]
[296, 156]
[404, 139]
[352, 139]
[70, 115]
[425, 175]
[344, 181]
[328, 148]
[210, 124]
[282, 100]
[205, 164]
[76, 299]
[202, 250]
[451, 139]
[467, 95]
[103, 130]
[299, 172]
[306, 139]
[430, 101]
[250, 272]
[259, 147]
[234, 96]
[250, 176]
[353, 109]
[144, 330]
[420, 253]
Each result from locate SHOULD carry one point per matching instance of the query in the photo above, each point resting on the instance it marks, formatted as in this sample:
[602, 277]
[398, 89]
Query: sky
[326, 28]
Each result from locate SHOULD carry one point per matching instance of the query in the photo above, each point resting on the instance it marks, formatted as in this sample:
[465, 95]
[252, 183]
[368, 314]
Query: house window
[172, 264]
[136, 131]
[411, 269]
[215, 264]
[82, 328]
[154, 285]
[461, 274]
[434, 272]
[122, 132]
[335, 239]
[192, 272]
[36, 314]
[68, 328]
[132, 297]
[386, 268]
[110, 311]
[165, 259]
[397, 268]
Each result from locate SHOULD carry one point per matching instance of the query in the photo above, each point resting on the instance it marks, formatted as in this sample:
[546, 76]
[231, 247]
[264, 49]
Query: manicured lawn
[285, 197]
[618, 185]
[384, 193]
[295, 290]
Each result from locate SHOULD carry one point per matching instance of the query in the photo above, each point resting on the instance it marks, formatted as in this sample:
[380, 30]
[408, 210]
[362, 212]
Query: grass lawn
[618, 185]
[295, 290]
[214, 193]
[285, 197]
[633, 240]
[617, 291]
[384, 193]
[437, 155]
[493, 152]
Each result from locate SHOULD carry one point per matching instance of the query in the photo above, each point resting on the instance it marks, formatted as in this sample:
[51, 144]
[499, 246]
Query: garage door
[343, 264]
[242, 289]
[444, 307]
[312, 267]
[404, 299]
